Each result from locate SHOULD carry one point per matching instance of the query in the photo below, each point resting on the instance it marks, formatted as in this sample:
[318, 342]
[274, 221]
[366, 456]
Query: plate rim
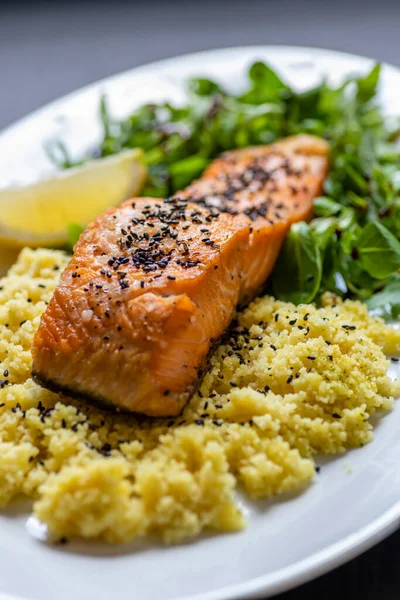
[349, 547]
[164, 62]
[315, 565]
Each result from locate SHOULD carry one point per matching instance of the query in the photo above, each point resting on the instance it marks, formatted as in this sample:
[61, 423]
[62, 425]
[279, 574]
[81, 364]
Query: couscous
[287, 382]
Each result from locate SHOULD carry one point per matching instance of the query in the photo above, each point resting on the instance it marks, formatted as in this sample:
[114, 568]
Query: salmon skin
[154, 283]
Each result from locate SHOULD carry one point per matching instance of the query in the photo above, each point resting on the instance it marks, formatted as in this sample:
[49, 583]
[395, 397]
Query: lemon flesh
[39, 214]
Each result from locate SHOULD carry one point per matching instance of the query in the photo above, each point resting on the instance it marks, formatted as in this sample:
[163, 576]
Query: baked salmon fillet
[153, 284]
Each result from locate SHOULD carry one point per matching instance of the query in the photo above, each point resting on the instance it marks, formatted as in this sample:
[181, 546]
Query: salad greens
[352, 245]
[298, 271]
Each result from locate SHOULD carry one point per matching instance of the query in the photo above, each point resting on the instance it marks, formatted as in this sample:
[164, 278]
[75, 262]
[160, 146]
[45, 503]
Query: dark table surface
[48, 49]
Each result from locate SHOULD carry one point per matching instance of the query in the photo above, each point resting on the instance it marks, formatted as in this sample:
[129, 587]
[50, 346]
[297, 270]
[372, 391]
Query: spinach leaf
[297, 275]
[379, 251]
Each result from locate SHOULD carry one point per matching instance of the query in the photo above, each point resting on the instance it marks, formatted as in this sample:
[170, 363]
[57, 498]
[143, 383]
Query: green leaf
[325, 207]
[323, 229]
[105, 116]
[347, 218]
[297, 275]
[357, 201]
[154, 155]
[262, 74]
[58, 154]
[390, 218]
[267, 85]
[350, 232]
[185, 170]
[332, 276]
[386, 303]
[158, 181]
[74, 230]
[381, 187]
[379, 251]
[367, 151]
[356, 178]
[358, 281]
[366, 86]
[204, 87]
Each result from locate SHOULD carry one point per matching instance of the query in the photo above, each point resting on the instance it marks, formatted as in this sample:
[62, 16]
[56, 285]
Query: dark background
[50, 48]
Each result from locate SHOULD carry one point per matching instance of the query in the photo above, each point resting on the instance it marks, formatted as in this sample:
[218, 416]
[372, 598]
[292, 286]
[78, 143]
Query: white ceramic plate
[354, 502]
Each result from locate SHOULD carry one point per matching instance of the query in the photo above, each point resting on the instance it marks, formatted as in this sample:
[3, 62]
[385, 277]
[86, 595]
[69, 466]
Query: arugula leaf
[366, 86]
[297, 275]
[204, 87]
[267, 85]
[379, 251]
[261, 74]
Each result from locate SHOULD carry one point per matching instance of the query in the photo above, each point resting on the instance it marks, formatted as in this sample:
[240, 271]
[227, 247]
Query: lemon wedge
[39, 214]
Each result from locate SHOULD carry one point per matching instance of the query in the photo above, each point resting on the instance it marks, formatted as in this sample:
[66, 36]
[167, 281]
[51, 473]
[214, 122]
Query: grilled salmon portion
[154, 283]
